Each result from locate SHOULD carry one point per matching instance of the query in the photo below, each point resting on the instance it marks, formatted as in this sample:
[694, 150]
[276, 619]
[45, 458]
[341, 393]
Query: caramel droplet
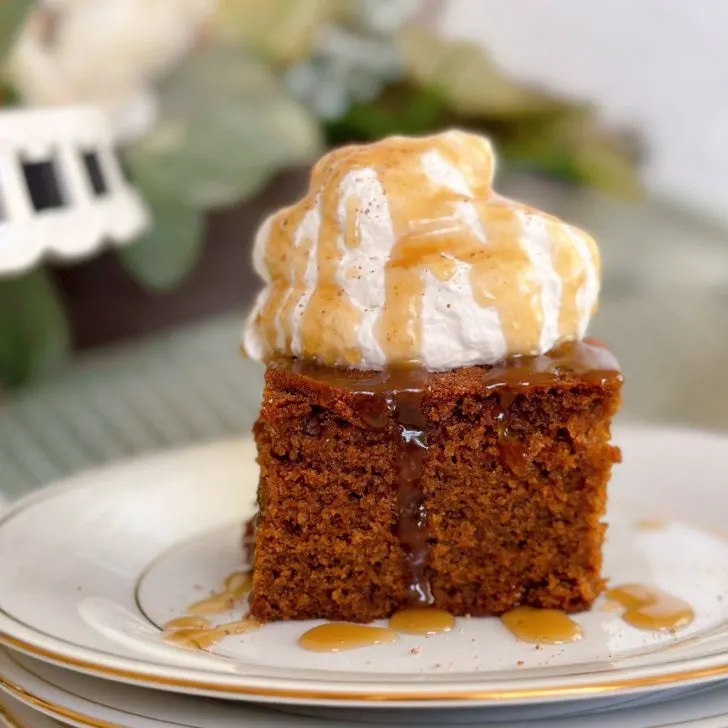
[215, 604]
[650, 608]
[183, 637]
[204, 638]
[611, 607]
[207, 638]
[422, 621]
[187, 623]
[239, 584]
[542, 626]
[340, 636]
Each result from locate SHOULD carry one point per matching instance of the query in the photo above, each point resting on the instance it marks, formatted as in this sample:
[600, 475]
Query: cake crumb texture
[499, 535]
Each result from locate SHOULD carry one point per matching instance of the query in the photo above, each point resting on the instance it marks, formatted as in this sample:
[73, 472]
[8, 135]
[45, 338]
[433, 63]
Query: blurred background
[189, 120]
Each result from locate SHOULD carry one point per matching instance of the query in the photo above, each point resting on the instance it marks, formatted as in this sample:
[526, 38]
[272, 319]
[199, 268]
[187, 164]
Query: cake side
[512, 509]
[527, 532]
[324, 541]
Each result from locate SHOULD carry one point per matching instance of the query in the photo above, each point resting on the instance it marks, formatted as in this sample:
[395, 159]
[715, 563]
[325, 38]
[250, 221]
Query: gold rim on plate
[8, 718]
[577, 691]
[58, 712]
[63, 714]
[7, 715]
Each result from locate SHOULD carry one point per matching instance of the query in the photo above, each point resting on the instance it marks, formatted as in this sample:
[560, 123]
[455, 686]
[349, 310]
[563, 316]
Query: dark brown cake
[475, 490]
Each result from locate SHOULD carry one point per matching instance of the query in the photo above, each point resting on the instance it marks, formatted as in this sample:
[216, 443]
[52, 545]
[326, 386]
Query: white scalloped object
[90, 203]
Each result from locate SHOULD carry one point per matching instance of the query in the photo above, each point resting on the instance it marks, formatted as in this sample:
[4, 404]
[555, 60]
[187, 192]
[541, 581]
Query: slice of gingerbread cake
[435, 427]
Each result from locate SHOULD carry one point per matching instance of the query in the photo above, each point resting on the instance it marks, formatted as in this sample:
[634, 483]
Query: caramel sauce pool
[236, 586]
[190, 622]
[645, 607]
[542, 626]
[422, 621]
[340, 636]
[649, 608]
[194, 631]
[205, 637]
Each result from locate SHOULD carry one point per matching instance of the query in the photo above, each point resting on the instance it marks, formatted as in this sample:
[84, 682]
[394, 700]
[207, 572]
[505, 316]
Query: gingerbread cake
[435, 427]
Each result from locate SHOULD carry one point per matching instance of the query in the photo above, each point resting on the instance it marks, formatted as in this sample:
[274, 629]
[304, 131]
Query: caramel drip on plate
[541, 626]
[649, 608]
[190, 622]
[340, 636]
[422, 621]
[205, 637]
[236, 586]
[395, 400]
[441, 212]
[194, 630]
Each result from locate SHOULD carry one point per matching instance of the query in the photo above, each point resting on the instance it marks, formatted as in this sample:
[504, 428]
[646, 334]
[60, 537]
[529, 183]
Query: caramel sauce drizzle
[541, 626]
[422, 621]
[392, 400]
[193, 630]
[340, 636]
[649, 608]
[430, 235]
[412, 520]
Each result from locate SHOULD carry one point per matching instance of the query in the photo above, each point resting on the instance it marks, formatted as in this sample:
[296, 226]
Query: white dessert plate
[86, 701]
[90, 570]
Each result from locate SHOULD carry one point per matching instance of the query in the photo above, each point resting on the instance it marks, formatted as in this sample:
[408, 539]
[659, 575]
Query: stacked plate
[93, 569]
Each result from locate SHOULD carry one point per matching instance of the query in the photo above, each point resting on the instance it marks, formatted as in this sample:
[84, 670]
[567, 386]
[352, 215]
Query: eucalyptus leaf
[532, 129]
[12, 15]
[34, 336]
[399, 109]
[225, 127]
[164, 255]
[467, 78]
[600, 161]
[574, 148]
[283, 31]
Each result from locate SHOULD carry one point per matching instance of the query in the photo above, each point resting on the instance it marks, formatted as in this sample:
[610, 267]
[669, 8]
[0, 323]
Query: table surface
[665, 296]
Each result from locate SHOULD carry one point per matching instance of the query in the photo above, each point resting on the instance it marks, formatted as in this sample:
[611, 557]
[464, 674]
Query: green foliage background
[231, 115]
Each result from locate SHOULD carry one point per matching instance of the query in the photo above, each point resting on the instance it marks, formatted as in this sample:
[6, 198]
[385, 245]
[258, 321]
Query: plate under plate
[88, 701]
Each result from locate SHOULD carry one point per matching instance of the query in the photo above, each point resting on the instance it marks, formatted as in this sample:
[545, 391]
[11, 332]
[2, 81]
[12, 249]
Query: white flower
[104, 52]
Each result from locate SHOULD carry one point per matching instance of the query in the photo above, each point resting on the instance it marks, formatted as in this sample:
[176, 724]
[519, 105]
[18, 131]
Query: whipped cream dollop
[402, 253]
